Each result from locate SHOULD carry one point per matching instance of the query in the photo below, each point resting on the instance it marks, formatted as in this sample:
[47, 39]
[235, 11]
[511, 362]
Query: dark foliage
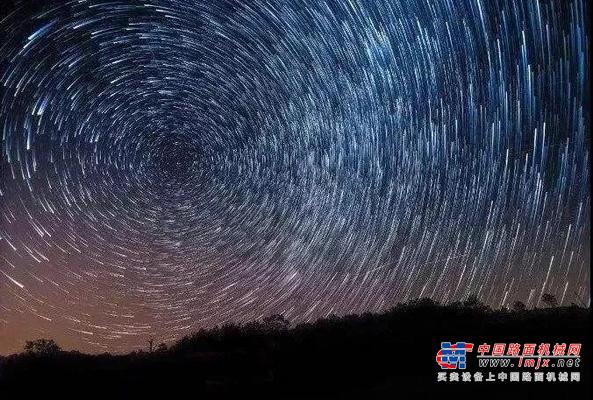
[42, 347]
[390, 355]
[550, 300]
[519, 306]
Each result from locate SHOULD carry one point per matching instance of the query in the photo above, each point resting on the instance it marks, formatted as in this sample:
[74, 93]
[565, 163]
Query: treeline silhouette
[389, 355]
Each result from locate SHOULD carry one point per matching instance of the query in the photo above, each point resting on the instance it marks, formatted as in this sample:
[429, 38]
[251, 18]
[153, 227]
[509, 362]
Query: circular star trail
[172, 165]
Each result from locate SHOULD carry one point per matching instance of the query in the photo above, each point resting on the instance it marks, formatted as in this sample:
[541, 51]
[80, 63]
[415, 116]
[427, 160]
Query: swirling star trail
[173, 165]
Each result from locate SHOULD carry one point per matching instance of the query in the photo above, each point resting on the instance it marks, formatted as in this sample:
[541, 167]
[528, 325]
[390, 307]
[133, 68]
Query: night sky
[173, 165]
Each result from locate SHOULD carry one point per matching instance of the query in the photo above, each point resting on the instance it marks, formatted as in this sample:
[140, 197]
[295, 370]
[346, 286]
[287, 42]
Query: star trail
[173, 165]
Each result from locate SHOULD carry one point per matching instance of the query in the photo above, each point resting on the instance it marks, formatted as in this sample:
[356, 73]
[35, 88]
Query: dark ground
[389, 356]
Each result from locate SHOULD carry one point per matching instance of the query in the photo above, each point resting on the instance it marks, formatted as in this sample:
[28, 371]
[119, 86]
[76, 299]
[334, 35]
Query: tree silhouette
[519, 306]
[270, 355]
[42, 346]
[276, 322]
[161, 347]
[473, 301]
[550, 300]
